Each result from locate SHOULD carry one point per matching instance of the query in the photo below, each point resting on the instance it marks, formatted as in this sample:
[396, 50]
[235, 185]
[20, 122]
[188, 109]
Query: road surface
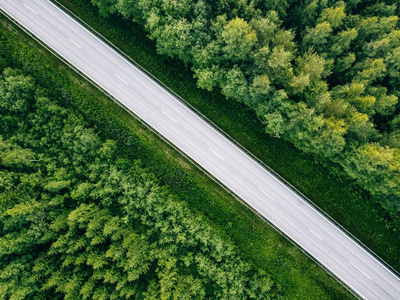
[243, 175]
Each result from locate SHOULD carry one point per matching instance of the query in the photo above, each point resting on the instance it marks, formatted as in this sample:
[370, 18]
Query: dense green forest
[77, 221]
[323, 75]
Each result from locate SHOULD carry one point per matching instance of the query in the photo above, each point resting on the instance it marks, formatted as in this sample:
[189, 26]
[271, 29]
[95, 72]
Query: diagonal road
[319, 237]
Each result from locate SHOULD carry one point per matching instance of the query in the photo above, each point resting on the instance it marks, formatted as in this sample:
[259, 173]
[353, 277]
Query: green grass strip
[259, 243]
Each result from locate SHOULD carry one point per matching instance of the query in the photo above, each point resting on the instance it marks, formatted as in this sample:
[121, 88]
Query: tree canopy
[77, 221]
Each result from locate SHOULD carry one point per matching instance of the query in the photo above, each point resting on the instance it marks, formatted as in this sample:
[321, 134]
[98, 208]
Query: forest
[323, 75]
[77, 221]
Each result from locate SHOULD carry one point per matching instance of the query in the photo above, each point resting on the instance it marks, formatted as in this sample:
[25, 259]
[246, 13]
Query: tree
[392, 139]
[259, 89]
[129, 10]
[273, 113]
[299, 83]
[372, 28]
[285, 39]
[385, 104]
[376, 168]
[13, 156]
[261, 59]
[334, 15]
[176, 9]
[371, 70]
[280, 66]
[342, 41]
[313, 134]
[360, 129]
[106, 7]
[208, 78]
[364, 103]
[265, 30]
[17, 280]
[306, 14]
[239, 39]
[175, 39]
[317, 96]
[235, 85]
[380, 9]
[316, 38]
[16, 91]
[311, 65]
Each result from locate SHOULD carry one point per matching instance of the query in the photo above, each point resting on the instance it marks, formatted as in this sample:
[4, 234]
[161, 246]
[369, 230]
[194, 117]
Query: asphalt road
[243, 175]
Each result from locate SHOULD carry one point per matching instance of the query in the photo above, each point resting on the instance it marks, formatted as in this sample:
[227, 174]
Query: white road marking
[316, 234]
[215, 153]
[121, 79]
[361, 271]
[30, 9]
[75, 44]
[265, 194]
[169, 116]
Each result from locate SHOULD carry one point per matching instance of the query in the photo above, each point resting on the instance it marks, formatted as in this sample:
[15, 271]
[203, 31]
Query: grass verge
[337, 196]
[297, 276]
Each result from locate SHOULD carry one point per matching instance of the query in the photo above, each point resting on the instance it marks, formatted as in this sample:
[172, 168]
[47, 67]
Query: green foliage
[77, 222]
[238, 39]
[376, 166]
[175, 39]
[15, 92]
